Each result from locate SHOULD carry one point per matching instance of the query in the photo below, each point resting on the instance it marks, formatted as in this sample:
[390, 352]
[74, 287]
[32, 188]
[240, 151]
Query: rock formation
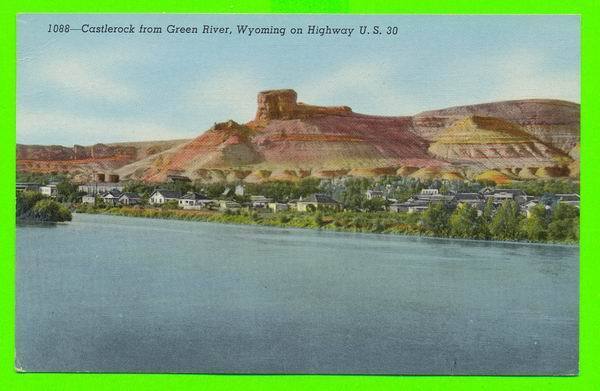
[288, 140]
[282, 105]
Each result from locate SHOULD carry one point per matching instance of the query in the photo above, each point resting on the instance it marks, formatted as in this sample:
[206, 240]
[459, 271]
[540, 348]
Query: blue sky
[86, 88]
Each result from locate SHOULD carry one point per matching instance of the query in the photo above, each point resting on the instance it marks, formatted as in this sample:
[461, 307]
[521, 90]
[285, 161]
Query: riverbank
[407, 224]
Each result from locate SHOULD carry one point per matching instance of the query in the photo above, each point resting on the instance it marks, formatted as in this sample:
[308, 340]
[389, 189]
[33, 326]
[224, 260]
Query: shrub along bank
[506, 223]
[33, 206]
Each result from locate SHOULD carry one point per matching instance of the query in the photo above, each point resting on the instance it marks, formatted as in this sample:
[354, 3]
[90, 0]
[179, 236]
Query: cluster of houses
[418, 203]
[422, 201]
[49, 190]
[194, 200]
[111, 193]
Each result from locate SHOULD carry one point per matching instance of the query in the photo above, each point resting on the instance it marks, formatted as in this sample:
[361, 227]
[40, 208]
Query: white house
[501, 195]
[88, 199]
[371, 194]
[49, 190]
[259, 201]
[193, 200]
[111, 197]
[160, 196]
[411, 206]
[433, 195]
[240, 190]
[316, 201]
[429, 192]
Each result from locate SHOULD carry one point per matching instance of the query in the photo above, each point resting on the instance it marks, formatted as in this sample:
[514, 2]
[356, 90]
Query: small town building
[129, 199]
[429, 192]
[259, 201]
[160, 196]
[432, 195]
[570, 199]
[228, 205]
[193, 200]
[240, 190]
[99, 187]
[28, 186]
[501, 195]
[486, 191]
[528, 207]
[410, 206]
[277, 207]
[371, 194]
[49, 190]
[316, 201]
[88, 199]
[111, 197]
[475, 200]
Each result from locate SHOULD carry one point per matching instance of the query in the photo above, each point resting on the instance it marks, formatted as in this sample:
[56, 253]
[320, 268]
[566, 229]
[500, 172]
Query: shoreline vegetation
[434, 223]
[34, 207]
[364, 205]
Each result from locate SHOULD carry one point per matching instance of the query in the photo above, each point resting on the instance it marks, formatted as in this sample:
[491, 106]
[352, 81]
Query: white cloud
[514, 74]
[370, 83]
[58, 127]
[228, 94]
[85, 79]
[88, 73]
[524, 74]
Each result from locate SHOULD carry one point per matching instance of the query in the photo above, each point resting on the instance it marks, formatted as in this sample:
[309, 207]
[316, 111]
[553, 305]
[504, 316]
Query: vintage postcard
[298, 194]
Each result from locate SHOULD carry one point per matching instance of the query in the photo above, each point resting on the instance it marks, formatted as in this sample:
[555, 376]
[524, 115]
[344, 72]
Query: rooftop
[130, 195]
[319, 198]
[192, 195]
[168, 193]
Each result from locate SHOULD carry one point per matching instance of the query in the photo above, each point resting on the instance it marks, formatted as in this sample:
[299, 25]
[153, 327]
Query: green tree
[505, 224]
[486, 218]
[561, 230]
[138, 187]
[575, 229]
[436, 219]
[464, 223]
[25, 202]
[374, 204]
[306, 187]
[535, 227]
[213, 190]
[66, 191]
[354, 194]
[50, 210]
[565, 223]
[564, 211]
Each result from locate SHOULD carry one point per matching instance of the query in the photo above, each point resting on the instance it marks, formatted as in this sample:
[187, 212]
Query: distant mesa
[283, 105]
[289, 140]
